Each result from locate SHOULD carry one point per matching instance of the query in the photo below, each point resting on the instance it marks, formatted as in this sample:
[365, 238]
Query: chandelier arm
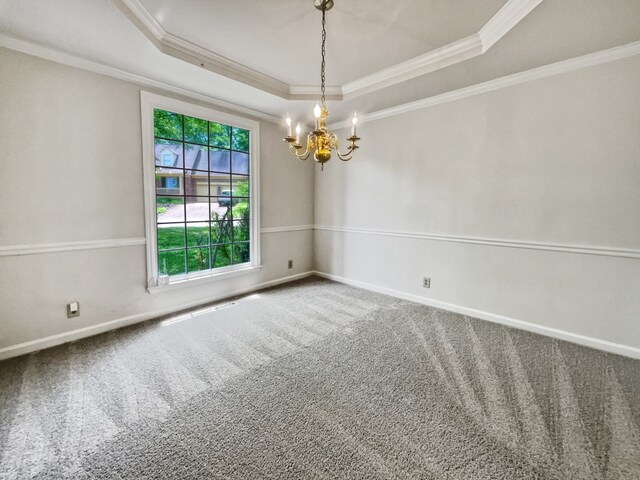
[345, 157]
[299, 156]
[310, 146]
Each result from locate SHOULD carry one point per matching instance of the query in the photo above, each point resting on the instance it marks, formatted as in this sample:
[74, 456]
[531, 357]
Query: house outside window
[201, 172]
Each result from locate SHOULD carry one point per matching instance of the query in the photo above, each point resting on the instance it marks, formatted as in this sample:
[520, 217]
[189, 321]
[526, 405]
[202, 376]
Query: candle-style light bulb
[353, 127]
[316, 113]
[288, 120]
[298, 130]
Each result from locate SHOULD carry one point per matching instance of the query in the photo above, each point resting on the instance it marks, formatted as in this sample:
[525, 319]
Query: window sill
[203, 279]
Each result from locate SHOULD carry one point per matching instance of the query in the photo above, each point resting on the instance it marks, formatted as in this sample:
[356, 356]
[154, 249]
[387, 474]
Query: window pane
[196, 157]
[169, 181]
[221, 232]
[220, 255]
[197, 209]
[196, 183]
[240, 139]
[171, 262]
[195, 130]
[241, 209]
[167, 124]
[168, 153]
[240, 162]
[241, 253]
[240, 185]
[219, 160]
[219, 135]
[220, 212]
[241, 230]
[170, 235]
[198, 234]
[198, 259]
[170, 209]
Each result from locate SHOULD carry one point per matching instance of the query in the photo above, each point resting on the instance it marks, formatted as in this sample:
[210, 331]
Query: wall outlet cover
[73, 309]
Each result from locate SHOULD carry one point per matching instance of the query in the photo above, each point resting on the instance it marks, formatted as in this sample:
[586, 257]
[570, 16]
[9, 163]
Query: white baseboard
[598, 344]
[53, 340]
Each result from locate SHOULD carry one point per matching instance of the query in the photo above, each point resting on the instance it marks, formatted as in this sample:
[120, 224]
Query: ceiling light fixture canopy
[320, 140]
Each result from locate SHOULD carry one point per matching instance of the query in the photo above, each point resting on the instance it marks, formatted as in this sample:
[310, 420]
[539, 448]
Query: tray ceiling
[282, 39]
[107, 37]
[272, 47]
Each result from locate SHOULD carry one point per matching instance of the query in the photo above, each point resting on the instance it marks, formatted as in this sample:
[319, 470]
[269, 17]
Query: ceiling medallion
[320, 141]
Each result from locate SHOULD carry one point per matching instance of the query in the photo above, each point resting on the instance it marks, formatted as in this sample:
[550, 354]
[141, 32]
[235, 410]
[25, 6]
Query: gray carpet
[320, 380]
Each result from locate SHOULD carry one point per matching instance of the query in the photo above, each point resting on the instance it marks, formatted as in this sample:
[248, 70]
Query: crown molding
[450, 54]
[507, 17]
[472, 46]
[312, 92]
[196, 55]
[46, 53]
[558, 68]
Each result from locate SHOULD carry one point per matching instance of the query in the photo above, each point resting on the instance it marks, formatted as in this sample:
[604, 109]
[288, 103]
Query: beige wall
[553, 161]
[71, 171]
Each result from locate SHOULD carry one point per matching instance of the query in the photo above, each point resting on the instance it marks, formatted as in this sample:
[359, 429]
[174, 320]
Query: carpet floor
[316, 379]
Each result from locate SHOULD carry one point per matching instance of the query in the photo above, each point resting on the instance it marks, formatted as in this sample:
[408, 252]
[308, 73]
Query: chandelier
[320, 141]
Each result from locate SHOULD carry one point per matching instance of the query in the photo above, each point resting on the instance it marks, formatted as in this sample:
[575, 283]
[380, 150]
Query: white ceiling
[282, 40]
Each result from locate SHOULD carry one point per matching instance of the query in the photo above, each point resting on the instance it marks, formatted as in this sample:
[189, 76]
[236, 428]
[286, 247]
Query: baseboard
[591, 342]
[59, 339]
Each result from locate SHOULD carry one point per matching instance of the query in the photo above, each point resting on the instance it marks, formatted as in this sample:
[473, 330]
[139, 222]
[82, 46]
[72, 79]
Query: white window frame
[149, 102]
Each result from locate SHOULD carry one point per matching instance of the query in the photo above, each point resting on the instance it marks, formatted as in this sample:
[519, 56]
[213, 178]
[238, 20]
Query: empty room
[320, 239]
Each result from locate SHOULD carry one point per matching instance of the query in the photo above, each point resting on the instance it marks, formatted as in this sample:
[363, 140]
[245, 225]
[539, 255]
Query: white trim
[294, 228]
[507, 17]
[209, 276]
[442, 57]
[38, 248]
[190, 52]
[33, 249]
[313, 92]
[40, 51]
[554, 247]
[558, 68]
[53, 340]
[458, 51]
[598, 344]
[149, 101]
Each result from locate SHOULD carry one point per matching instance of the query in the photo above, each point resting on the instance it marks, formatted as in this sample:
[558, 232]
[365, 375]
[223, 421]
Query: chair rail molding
[38, 248]
[496, 242]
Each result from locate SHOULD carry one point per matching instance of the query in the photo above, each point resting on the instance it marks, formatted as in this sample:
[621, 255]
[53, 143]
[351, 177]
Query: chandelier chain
[324, 39]
[321, 141]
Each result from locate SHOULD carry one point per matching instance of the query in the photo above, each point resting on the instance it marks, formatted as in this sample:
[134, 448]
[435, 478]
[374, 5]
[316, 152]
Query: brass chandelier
[320, 141]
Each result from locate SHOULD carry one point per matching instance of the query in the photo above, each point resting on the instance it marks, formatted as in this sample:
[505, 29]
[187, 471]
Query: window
[200, 192]
[167, 159]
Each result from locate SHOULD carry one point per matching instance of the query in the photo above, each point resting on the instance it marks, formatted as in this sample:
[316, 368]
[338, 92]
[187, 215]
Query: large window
[201, 212]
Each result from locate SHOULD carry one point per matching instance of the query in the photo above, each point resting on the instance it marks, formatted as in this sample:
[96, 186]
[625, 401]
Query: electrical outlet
[73, 309]
[290, 264]
[426, 282]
